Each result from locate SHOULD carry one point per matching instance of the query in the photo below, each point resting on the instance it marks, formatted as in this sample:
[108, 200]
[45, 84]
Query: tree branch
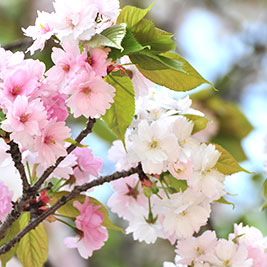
[75, 192]
[16, 156]
[20, 204]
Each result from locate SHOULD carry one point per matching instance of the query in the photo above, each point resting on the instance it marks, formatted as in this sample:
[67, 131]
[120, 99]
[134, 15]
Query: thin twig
[75, 192]
[16, 157]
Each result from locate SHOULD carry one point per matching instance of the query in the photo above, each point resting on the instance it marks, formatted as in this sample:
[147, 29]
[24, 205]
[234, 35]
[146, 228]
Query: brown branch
[75, 192]
[16, 157]
[19, 205]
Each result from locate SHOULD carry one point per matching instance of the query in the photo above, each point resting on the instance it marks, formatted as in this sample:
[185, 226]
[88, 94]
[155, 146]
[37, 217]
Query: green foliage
[111, 37]
[200, 123]
[33, 247]
[176, 80]
[233, 125]
[120, 115]
[130, 45]
[177, 185]
[69, 210]
[232, 145]
[222, 200]
[132, 15]
[11, 233]
[264, 206]
[73, 142]
[158, 40]
[226, 164]
[102, 131]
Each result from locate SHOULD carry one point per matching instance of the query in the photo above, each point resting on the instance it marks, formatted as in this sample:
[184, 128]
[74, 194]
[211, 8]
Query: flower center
[15, 91]
[66, 68]
[48, 140]
[153, 144]
[86, 90]
[24, 117]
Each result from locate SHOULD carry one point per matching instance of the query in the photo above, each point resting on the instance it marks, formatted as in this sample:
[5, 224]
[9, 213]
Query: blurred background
[226, 41]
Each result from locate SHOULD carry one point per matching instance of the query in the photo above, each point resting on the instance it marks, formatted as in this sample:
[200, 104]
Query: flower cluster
[176, 177]
[182, 178]
[246, 247]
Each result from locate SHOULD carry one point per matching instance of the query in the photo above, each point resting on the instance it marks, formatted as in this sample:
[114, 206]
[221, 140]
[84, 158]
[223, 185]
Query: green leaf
[226, 164]
[178, 185]
[33, 247]
[264, 206]
[231, 119]
[265, 189]
[132, 15]
[232, 145]
[222, 200]
[111, 37]
[69, 140]
[11, 233]
[200, 123]
[130, 45]
[148, 61]
[101, 130]
[120, 115]
[147, 34]
[176, 80]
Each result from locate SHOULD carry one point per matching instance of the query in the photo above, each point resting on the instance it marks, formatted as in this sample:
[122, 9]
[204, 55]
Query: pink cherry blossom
[193, 249]
[50, 144]
[24, 119]
[41, 32]
[5, 201]
[97, 61]
[91, 96]
[24, 79]
[65, 65]
[93, 234]
[87, 166]
[55, 105]
[127, 193]
[74, 20]
[181, 170]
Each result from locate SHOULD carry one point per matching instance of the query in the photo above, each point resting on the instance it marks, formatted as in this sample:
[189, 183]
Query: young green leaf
[200, 123]
[110, 37]
[178, 185]
[73, 142]
[132, 15]
[149, 61]
[33, 247]
[226, 164]
[11, 233]
[222, 200]
[176, 80]
[147, 34]
[130, 45]
[120, 115]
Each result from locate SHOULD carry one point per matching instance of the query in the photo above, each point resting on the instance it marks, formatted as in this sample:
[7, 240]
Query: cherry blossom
[50, 144]
[88, 167]
[92, 233]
